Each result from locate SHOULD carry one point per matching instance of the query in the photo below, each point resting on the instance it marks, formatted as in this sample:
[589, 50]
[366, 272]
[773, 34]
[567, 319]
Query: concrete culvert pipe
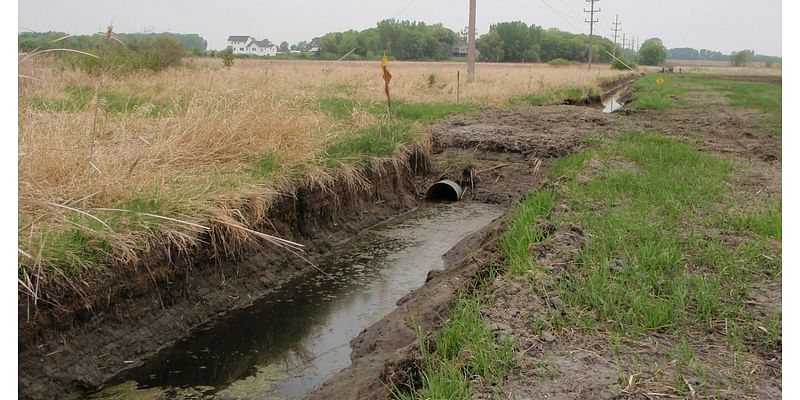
[446, 190]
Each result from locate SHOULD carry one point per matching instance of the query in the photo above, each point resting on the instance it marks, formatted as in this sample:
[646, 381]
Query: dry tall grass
[195, 164]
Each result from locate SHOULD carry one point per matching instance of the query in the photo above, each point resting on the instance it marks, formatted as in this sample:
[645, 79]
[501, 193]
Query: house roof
[238, 38]
[264, 43]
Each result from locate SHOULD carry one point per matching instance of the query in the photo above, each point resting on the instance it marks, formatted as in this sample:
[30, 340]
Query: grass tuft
[464, 351]
[378, 141]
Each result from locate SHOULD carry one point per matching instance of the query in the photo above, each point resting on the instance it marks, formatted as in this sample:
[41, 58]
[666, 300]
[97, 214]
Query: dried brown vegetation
[111, 166]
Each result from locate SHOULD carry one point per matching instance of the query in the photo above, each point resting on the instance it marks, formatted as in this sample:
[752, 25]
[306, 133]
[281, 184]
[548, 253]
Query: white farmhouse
[249, 45]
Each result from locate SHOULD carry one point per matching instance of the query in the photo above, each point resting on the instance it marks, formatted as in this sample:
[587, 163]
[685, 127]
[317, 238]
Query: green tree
[227, 57]
[740, 58]
[652, 52]
[284, 47]
[516, 39]
[491, 47]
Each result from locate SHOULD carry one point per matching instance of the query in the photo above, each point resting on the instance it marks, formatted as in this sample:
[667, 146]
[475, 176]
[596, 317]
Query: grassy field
[670, 250]
[109, 166]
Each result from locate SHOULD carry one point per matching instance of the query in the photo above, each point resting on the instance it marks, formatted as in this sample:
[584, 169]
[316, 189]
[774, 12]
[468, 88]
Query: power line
[562, 16]
[574, 6]
[409, 4]
[591, 23]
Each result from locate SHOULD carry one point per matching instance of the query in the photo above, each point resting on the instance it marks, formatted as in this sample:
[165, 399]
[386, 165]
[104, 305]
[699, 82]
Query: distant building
[460, 49]
[249, 45]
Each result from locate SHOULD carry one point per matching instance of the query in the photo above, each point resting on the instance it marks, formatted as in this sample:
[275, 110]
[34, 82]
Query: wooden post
[458, 86]
[471, 44]
[389, 99]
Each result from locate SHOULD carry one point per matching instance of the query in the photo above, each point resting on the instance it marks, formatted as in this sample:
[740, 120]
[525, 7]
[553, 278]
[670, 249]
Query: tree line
[28, 41]
[518, 42]
[736, 57]
[505, 42]
[402, 40]
[123, 53]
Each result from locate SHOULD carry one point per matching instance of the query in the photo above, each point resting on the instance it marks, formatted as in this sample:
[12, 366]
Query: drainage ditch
[289, 343]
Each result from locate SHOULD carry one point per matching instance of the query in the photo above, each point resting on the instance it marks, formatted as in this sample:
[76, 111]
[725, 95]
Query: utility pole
[591, 23]
[471, 44]
[623, 44]
[616, 30]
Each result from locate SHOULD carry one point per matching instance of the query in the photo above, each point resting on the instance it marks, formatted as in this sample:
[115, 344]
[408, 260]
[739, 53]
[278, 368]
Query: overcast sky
[723, 25]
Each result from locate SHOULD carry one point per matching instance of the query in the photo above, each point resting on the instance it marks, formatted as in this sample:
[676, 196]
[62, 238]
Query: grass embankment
[86, 236]
[666, 247]
[655, 258]
[462, 353]
[682, 90]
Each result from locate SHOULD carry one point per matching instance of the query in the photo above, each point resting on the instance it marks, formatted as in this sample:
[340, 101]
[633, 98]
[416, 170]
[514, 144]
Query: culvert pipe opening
[444, 190]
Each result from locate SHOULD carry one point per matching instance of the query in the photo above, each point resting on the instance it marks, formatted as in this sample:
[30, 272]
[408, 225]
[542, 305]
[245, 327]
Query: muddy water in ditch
[612, 103]
[288, 344]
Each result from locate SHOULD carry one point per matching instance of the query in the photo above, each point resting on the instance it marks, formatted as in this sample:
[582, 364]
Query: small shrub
[153, 52]
[559, 62]
[616, 64]
[227, 57]
[431, 80]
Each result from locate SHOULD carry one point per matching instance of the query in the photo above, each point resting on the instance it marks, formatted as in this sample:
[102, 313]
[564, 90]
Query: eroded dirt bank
[126, 315]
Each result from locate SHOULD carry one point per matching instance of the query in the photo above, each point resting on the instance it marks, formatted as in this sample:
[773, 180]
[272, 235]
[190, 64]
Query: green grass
[522, 229]
[762, 223]
[684, 90]
[385, 138]
[342, 108]
[649, 262]
[85, 244]
[74, 250]
[79, 98]
[561, 95]
[382, 140]
[462, 352]
[765, 97]
[427, 112]
[266, 164]
[650, 95]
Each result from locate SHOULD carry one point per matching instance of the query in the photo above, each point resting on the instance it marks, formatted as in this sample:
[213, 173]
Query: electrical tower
[623, 44]
[591, 23]
[616, 30]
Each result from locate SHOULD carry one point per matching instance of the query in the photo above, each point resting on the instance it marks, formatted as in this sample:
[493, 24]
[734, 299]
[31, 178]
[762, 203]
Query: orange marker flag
[387, 77]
